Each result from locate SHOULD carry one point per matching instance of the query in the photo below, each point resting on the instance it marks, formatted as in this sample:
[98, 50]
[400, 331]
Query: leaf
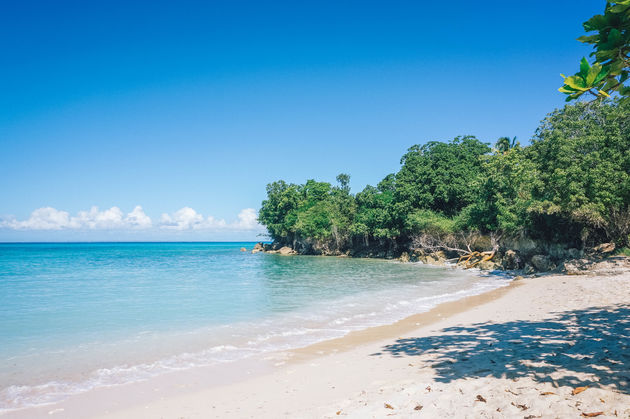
[595, 23]
[566, 89]
[592, 415]
[338, 412]
[388, 406]
[593, 72]
[601, 92]
[578, 390]
[418, 407]
[547, 393]
[589, 39]
[576, 83]
[480, 398]
[584, 67]
[601, 75]
[619, 8]
[520, 406]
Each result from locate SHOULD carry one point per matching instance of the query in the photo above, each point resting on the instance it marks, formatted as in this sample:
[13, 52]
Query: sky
[165, 120]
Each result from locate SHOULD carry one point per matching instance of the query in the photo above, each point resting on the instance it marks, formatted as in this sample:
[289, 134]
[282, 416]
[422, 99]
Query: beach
[549, 346]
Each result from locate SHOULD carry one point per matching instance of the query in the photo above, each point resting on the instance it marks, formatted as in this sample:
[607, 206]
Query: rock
[574, 253]
[522, 245]
[286, 250]
[604, 248]
[440, 255]
[518, 278]
[404, 257]
[243, 249]
[487, 265]
[511, 260]
[575, 266]
[528, 269]
[541, 263]
[257, 248]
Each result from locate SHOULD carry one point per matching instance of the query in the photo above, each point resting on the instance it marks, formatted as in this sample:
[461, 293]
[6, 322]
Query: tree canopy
[571, 185]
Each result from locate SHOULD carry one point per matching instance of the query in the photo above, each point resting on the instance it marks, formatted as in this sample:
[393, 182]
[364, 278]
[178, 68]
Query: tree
[611, 67]
[582, 155]
[442, 177]
[504, 144]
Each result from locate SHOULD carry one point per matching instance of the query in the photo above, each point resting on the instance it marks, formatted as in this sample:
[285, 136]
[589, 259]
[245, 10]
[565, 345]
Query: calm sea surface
[79, 316]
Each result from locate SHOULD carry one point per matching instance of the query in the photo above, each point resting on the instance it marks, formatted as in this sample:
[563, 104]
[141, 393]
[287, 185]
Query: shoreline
[358, 373]
[251, 365]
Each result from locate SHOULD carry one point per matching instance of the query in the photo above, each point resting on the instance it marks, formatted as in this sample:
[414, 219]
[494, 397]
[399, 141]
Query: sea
[79, 316]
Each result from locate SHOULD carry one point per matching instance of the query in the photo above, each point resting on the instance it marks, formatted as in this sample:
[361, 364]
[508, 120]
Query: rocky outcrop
[259, 247]
[528, 257]
[542, 263]
[511, 260]
[285, 251]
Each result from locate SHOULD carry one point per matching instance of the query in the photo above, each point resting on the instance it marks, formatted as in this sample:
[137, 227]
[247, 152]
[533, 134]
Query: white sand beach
[553, 346]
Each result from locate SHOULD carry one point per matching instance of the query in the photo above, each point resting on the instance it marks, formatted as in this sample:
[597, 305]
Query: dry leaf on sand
[591, 415]
[578, 390]
[388, 406]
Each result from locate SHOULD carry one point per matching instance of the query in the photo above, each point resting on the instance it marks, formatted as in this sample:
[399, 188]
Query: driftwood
[460, 243]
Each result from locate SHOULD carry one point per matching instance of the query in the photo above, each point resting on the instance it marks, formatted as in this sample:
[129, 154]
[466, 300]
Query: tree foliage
[611, 52]
[571, 185]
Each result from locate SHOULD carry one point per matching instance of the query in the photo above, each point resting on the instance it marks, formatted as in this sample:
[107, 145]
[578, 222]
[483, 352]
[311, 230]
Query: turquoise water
[78, 316]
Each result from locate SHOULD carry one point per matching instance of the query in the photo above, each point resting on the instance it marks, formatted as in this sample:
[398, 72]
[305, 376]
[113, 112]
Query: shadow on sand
[590, 346]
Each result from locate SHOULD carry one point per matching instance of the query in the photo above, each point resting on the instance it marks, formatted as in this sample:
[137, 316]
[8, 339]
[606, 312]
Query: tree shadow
[590, 346]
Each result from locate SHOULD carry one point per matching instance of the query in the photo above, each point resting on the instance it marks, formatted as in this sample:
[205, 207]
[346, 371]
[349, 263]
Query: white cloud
[46, 218]
[184, 219]
[138, 219]
[247, 220]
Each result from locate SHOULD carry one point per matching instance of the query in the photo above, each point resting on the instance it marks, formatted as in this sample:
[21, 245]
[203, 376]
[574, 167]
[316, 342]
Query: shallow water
[78, 316]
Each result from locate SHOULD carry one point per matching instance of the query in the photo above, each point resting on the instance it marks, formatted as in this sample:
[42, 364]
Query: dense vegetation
[571, 185]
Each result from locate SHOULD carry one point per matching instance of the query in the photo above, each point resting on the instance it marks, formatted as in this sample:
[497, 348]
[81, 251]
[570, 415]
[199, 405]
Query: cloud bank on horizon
[184, 219]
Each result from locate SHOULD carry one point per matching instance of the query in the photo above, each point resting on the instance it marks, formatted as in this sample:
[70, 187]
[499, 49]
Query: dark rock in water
[542, 263]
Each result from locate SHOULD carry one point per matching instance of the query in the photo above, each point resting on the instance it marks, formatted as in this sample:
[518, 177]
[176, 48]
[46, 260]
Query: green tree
[505, 144]
[442, 177]
[582, 154]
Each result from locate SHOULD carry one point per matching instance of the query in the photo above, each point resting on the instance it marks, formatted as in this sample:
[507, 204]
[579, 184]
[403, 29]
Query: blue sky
[179, 106]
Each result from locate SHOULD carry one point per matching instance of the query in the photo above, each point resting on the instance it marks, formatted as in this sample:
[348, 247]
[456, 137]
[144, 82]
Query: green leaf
[601, 75]
[576, 83]
[593, 72]
[596, 23]
[619, 8]
[584, 67]
[589, 39]
[567, 89]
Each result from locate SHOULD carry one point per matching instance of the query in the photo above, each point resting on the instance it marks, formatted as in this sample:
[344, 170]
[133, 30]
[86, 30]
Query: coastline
[358, 374]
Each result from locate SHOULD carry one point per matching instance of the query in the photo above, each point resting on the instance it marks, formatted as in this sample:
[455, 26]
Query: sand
[520, 351]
